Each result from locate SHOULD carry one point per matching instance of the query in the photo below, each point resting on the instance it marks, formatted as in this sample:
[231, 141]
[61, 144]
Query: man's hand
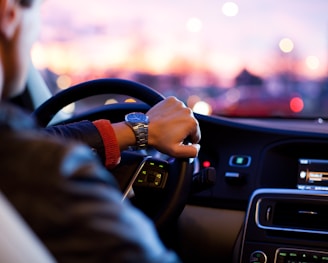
[170, 123]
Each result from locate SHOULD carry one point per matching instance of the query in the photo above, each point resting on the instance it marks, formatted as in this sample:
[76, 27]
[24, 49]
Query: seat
[18, 243]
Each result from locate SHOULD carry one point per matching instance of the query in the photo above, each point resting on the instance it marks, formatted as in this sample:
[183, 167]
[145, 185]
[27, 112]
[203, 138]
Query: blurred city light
[312, 62]
[286, 45]
[197, 54]
[230, 9]
[69, 109]
[130, 100]
[202, 107]
[110, 101]
[296, 104]
[194, 24]
[64, 82]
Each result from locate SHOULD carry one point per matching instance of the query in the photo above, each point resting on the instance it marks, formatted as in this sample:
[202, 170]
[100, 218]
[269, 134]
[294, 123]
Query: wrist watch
[138, 121]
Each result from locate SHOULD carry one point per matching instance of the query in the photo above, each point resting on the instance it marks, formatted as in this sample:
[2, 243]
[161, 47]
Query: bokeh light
[110, 101]
[206, 164]
[286, 45]
[130, 100]
[69, 109]
[230, 9]
[64, 82]
[312, 62]
[194, 24]
[296, 104]
[202, 107]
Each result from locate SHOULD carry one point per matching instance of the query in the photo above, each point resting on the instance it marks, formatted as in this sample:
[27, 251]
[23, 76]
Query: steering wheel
[161, 205]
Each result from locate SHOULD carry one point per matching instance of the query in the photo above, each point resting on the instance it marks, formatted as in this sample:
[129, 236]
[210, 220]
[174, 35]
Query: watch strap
[141, 133]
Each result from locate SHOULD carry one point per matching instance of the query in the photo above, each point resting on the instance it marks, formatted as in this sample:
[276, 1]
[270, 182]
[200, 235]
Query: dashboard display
[312, 174]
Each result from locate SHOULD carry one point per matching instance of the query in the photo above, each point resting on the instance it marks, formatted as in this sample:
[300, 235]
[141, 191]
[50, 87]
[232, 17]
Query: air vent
[303, 215]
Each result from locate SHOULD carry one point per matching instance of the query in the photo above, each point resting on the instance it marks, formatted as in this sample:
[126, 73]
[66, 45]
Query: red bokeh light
[296, 104]
[206, 164]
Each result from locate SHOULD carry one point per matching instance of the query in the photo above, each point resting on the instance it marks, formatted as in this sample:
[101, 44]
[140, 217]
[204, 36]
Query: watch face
[136, 117]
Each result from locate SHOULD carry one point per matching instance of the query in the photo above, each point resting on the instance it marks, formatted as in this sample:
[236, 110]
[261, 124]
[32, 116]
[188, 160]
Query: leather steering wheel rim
[45, 112]
[180, 170]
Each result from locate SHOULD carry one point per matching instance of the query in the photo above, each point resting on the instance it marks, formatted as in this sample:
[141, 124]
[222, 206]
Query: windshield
[263, 58]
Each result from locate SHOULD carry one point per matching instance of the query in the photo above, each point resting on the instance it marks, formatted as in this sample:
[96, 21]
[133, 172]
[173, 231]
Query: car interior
[257, 192]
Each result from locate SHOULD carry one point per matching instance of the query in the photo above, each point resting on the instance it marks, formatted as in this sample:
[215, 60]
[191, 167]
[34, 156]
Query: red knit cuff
[112, 149]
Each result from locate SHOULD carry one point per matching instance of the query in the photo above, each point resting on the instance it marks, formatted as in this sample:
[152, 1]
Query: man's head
[19, 28]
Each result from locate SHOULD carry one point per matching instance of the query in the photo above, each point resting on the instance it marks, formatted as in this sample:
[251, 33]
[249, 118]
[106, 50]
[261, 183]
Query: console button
[153, 174]
[298, 255]
[235, 178]
[240, 160]
[258, 257]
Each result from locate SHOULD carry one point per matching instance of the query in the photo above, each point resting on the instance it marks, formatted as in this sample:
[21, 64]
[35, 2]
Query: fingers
[190, 150]
[186, 151]
[195, 133]
[171, 123]
[192, 126]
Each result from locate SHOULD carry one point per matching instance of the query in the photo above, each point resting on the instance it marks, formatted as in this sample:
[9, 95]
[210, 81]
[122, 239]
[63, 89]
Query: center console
[286, 225]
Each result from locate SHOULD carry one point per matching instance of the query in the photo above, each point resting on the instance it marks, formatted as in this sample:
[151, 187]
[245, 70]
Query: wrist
[124, 135]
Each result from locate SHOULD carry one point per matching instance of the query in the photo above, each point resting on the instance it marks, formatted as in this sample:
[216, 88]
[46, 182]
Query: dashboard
[276, 172]
[248, 156]
[261, 167]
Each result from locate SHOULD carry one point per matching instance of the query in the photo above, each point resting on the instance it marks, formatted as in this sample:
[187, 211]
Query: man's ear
[9, 17]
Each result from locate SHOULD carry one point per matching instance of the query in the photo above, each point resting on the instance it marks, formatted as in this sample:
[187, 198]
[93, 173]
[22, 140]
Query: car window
[263, 58]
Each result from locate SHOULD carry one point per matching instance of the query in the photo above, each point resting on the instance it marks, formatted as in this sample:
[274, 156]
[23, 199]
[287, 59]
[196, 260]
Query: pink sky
[80, 35]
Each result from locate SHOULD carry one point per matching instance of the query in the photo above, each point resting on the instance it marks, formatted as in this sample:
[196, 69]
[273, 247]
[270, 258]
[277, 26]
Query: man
[71, 201]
